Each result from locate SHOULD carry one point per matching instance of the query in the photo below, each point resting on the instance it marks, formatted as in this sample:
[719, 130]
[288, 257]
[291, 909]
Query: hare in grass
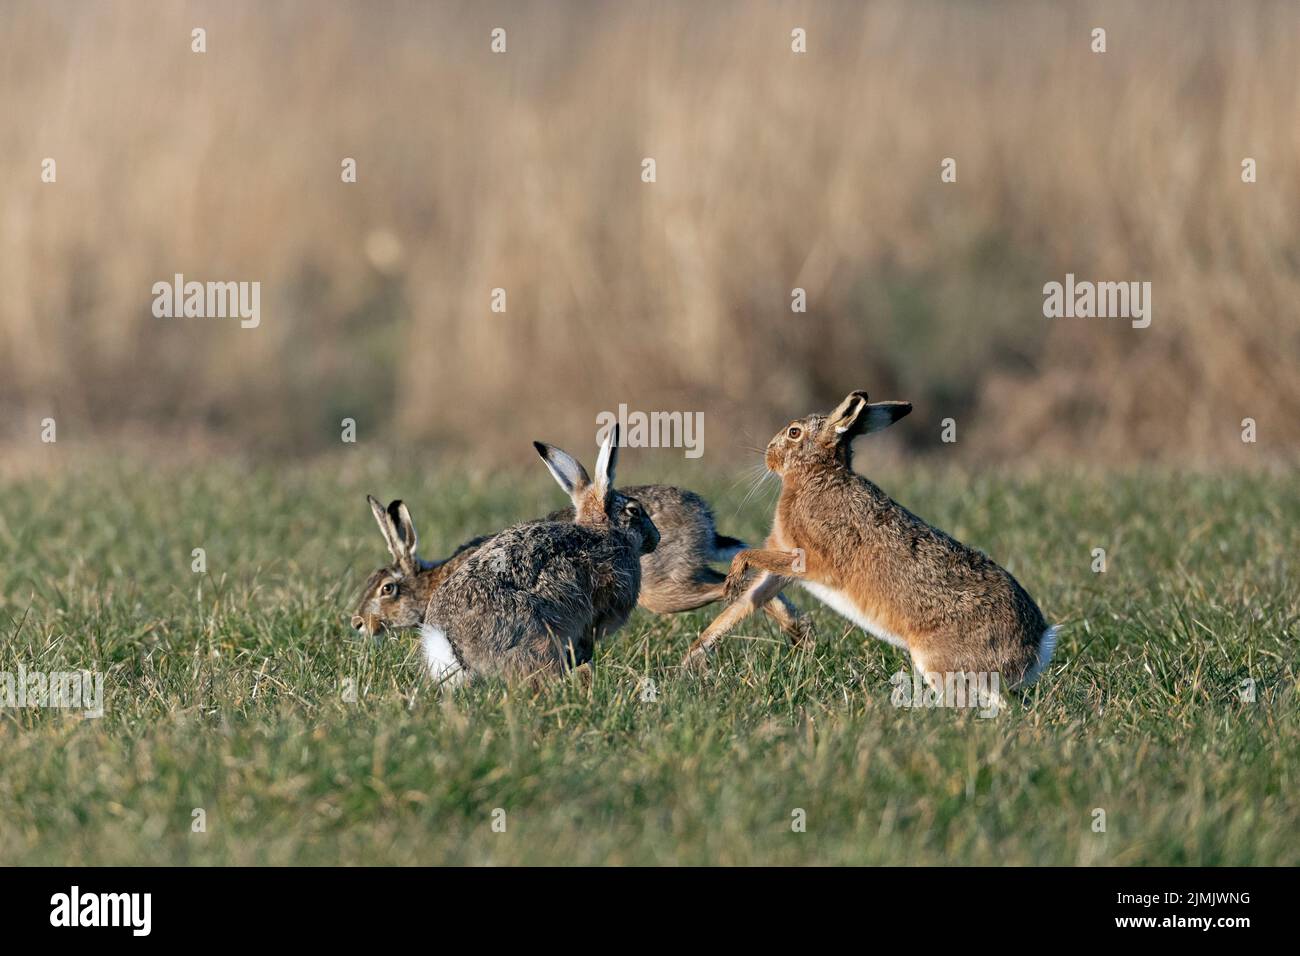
[874, 562]
[532, 600]
[395, 596]
[678, 575]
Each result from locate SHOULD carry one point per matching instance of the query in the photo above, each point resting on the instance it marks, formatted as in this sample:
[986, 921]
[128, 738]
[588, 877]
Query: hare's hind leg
[673, 597]
[764, 587]
[796, 626]
[956, 682]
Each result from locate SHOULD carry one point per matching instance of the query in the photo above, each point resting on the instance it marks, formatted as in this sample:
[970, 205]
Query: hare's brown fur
[871, 559]
[953, 607]
[395, 596]
[378, 612]
[677, 576]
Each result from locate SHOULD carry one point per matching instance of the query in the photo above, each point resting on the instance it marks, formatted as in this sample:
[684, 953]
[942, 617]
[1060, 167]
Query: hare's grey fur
[678, 575]
[532, 600]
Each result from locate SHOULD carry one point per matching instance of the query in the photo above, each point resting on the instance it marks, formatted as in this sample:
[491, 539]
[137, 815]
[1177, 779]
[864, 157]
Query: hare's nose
[358, 622]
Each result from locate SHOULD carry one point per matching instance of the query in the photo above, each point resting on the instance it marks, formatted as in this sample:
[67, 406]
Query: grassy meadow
[226, 690]
[775, 171]
[127, 157]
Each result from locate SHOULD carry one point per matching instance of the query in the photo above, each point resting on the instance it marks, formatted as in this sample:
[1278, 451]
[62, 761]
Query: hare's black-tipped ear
[856, 416]
[400, 516]
[883, 414]
[606, 463]
[564, 468]
[395, 525]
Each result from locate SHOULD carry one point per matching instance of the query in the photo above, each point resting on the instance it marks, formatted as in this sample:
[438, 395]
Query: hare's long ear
[385, 525]
[393, 536]
[400, 516]
[883, 414]
[606, 463]
[565, 469]
[856, 416]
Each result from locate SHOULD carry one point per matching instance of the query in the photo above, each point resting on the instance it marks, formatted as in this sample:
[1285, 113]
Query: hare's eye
[794, 431]
[633, 509]
[388, 588]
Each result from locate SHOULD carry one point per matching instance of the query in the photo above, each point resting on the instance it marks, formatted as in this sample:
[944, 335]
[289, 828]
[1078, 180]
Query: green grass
[225, 690]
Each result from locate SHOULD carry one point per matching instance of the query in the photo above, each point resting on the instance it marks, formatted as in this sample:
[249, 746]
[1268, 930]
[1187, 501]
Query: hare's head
[820, 440]
[596, 503]
[394, 597]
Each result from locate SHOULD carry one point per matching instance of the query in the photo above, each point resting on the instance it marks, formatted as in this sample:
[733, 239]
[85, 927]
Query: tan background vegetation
[774, 171]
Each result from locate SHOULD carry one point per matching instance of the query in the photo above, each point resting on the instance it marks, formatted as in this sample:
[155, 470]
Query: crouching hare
[394, 597]
[532, 600]
[677, 576]
[874, 562]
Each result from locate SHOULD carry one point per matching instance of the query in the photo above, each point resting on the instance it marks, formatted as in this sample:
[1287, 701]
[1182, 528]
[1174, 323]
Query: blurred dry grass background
[774, 171]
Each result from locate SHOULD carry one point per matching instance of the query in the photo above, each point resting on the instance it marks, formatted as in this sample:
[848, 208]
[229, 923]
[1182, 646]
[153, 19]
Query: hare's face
[797, 444]
[821, 441]
[391, 600]
[629, 515]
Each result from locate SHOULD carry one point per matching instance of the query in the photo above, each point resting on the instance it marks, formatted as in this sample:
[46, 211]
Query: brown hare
[532, 600]
[394, 597]
[678, 575]
[874, 562]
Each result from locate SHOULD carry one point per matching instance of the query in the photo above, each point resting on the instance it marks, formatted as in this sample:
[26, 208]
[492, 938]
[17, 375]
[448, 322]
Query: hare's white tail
[443, 666]
[1046, 647]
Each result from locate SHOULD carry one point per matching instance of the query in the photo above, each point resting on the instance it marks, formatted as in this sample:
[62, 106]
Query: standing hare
[877, 564]
[531, 601]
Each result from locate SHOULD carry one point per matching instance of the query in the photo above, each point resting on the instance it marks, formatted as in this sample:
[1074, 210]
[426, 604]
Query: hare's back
[528, 558]
[940, 575]
[688, 537]
[525, 582]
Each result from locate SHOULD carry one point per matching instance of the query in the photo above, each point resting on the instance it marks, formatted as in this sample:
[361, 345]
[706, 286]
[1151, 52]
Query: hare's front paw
[585, 676]
[736, 583]
[696, 660]
[802, 633]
